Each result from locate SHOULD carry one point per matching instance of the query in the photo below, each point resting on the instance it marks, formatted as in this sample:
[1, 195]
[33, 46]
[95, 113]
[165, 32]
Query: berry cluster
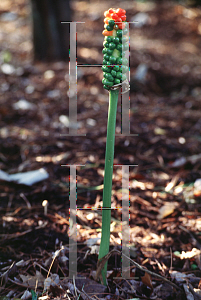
[115, 44]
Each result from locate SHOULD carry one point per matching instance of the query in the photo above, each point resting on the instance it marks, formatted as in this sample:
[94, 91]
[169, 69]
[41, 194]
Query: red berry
[111, 10]
[123, 17]
[121, 25]
[114, 16]
[118, 20]
[120, 12]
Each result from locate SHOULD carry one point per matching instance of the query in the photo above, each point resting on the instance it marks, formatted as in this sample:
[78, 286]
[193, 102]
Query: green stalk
[107, 189]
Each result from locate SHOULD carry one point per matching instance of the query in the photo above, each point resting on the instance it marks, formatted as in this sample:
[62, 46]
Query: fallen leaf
[33, 281]
[167, 210]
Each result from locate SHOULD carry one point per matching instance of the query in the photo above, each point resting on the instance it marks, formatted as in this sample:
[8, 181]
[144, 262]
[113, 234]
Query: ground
[165, 193]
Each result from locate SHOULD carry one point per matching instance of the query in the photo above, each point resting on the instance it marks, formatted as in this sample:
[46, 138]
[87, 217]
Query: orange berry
[106, 20]
[107, 14]
[107, 33]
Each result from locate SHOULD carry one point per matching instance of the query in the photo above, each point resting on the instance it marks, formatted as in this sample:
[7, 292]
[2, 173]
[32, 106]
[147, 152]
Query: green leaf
[34, 295]
[194, 266]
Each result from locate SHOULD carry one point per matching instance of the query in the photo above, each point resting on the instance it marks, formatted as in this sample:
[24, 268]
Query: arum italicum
[114, 69]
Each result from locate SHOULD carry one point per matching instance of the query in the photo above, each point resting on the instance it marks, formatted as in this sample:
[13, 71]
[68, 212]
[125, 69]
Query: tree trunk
[50, 37]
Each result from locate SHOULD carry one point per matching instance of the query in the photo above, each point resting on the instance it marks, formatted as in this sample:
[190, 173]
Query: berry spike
[115, 44]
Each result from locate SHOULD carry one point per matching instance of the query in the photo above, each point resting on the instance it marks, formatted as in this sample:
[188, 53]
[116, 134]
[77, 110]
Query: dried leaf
[144, 277]
[27, 295]
[167, 210]
[189, 254]
[53, 280]
[33, 281]
[189, 295]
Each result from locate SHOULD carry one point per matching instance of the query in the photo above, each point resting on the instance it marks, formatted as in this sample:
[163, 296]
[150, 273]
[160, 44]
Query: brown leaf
[33, 281]
[144, 277]
[56, 291]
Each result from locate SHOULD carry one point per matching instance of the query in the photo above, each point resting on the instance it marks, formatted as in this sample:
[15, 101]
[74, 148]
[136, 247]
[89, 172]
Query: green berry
[116, 40]
[124, 77]
[119, 47]
[109, 69]
[119, 75]
[125, 47]
[106, 57]
[124, 61]
[124, 69]
[124, 39]
[104, 68]
[106, 87]
[109, 51]
[104, 80]
[117, 81]
[123, 54]
[112, 45]
[109, 28]
[110, 77]
[108, 63]
[119, 61]
[116, 68]
[111, 23]
[104, 51]
[112, 59]
[104, 62]
[109, 39]
[119, 33]
[113, 73]
[109, 83]
[105, 44]
[115, 53]
[125, 31]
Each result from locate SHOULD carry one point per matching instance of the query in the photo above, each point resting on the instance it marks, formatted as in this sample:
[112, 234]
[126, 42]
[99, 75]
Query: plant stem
[107, 189]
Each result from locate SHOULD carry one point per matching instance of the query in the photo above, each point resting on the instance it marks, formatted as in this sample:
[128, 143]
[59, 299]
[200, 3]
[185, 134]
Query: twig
[14, 235]
[170, 259]
[106, 257]
[196, 295]
[21, 284]
[41, 267]
[55, 255]
[26, 200]
[74, 286]
[86, 293]
[196, 243]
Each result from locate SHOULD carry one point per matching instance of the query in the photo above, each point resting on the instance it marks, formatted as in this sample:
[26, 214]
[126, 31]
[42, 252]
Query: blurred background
[165, 71]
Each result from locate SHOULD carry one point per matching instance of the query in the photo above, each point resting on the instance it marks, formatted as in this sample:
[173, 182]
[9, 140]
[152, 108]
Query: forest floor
[165, 191]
